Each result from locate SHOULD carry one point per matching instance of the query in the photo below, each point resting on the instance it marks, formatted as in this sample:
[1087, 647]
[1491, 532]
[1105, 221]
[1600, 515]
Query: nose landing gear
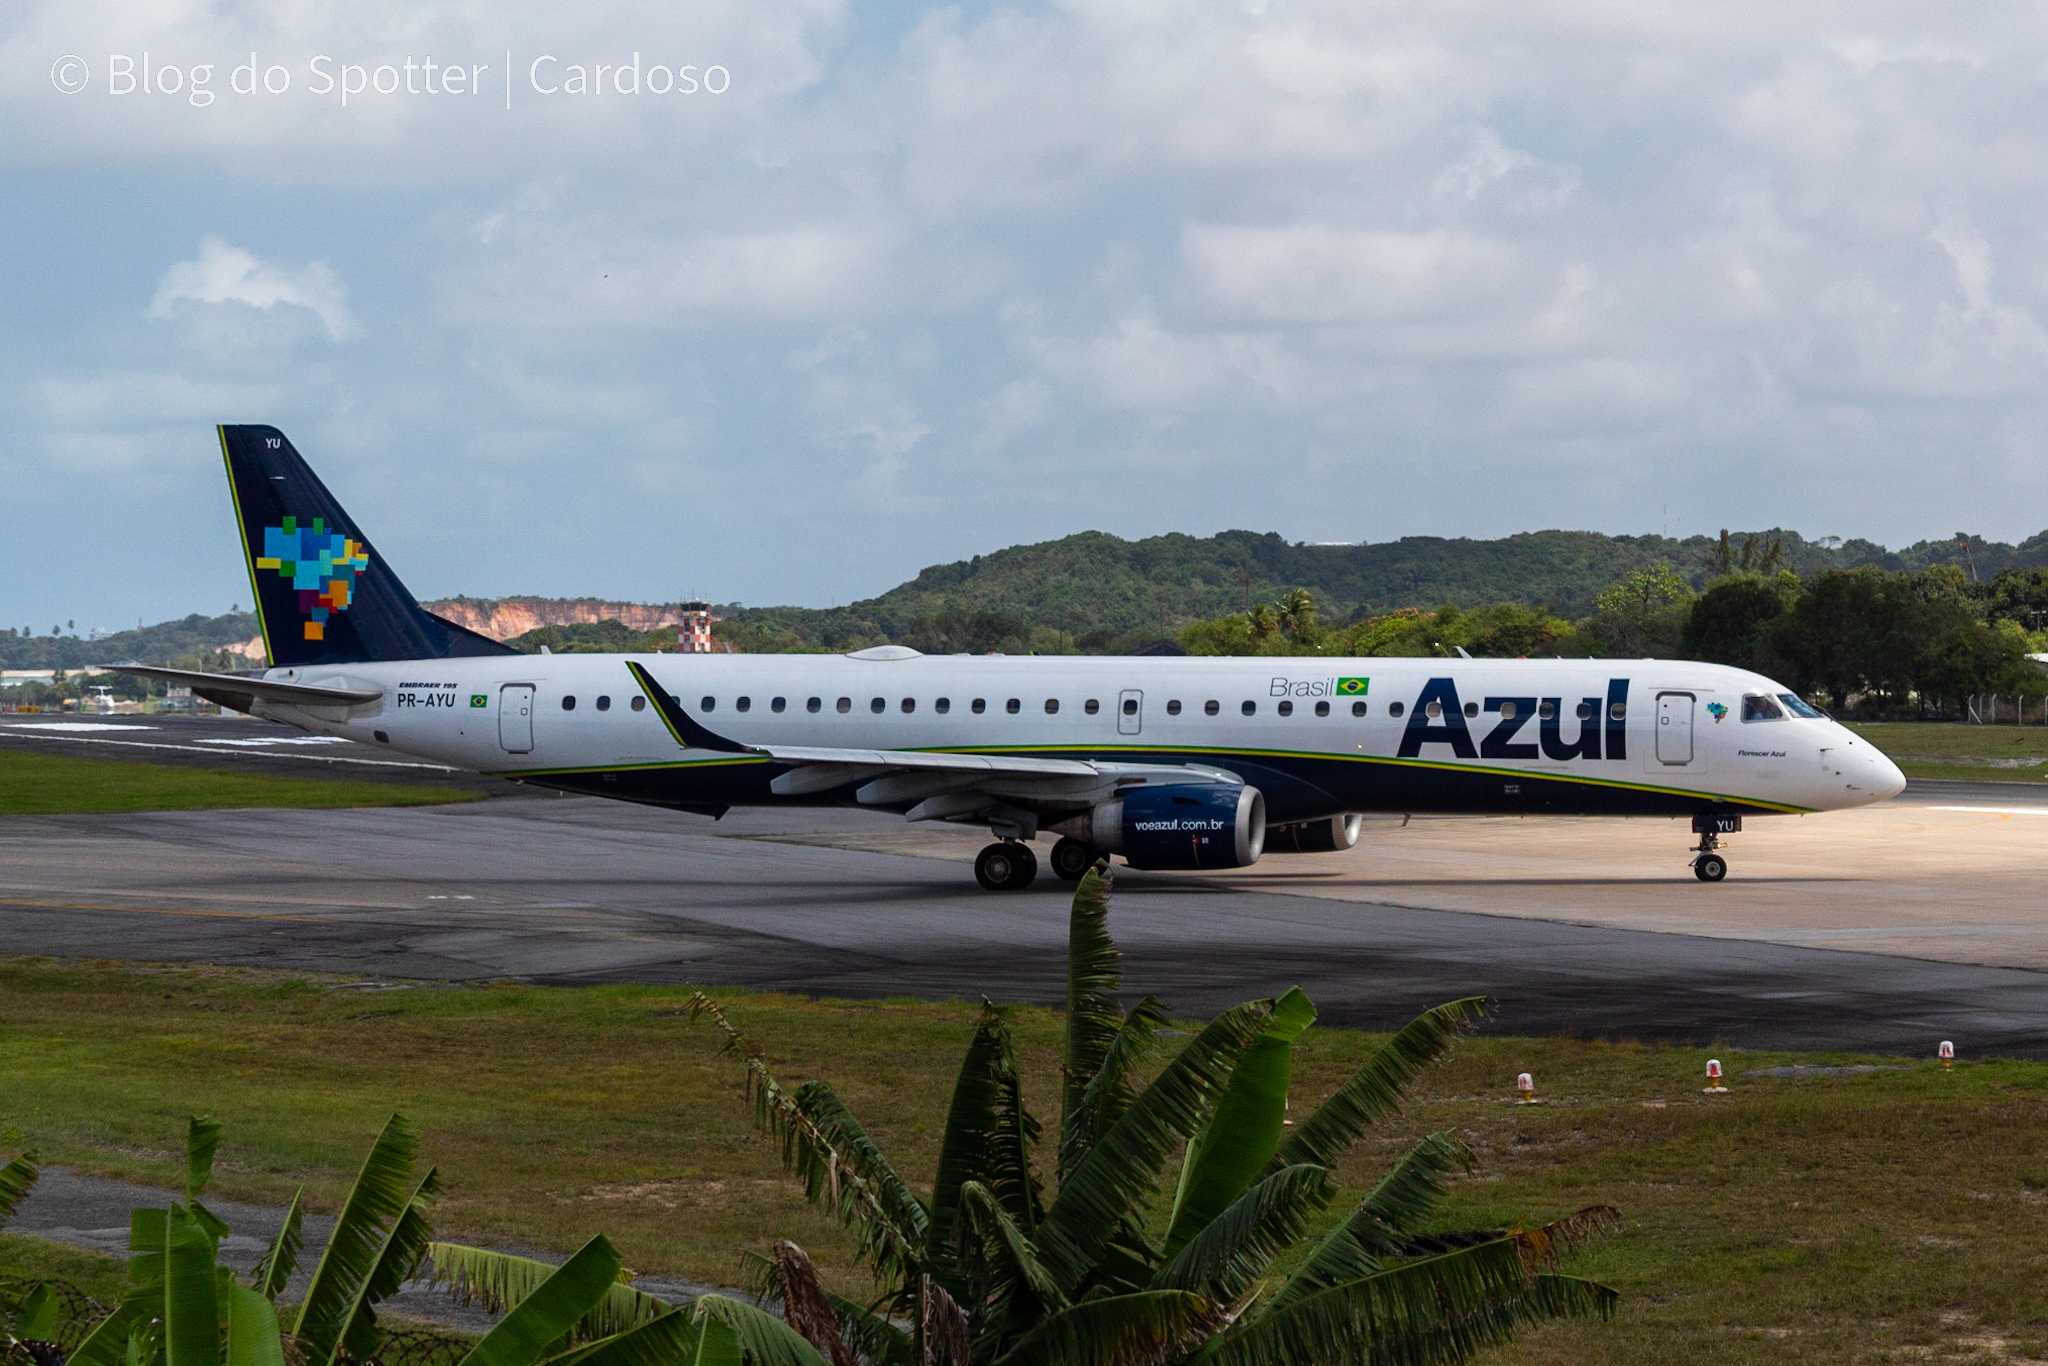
[1006, 866]
[1710, 865]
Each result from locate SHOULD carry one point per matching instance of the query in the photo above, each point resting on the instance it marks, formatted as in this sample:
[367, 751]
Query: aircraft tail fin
[323, 595]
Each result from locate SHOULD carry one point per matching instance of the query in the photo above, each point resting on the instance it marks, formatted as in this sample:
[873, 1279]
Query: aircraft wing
[239, 692]
[940, 786]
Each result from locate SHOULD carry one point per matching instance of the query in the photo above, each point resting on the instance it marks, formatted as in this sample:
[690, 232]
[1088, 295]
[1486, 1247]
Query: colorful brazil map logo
[321, 565]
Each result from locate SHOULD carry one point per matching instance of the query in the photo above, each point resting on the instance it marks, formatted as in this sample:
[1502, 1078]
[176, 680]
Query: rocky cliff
[504, 618]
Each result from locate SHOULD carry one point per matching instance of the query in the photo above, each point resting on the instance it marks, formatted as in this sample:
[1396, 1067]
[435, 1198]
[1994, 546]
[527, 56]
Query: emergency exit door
[515, 718]
[1674, 727]
[1130, 712]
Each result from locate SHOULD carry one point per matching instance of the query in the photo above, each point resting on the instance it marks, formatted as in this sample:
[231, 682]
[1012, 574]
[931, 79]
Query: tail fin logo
[322, 566]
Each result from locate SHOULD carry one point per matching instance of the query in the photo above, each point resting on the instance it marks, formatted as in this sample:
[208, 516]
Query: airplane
[1179, 763]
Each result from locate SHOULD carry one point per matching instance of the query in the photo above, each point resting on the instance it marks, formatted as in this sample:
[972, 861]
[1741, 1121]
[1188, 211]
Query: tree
[1735, 621]
[987, 1268]
[1643, 615]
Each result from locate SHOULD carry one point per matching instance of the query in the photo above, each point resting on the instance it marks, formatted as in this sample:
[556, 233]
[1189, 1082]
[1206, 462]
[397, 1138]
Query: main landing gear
[1709, 866]
[1007, 866]
[1071, 859]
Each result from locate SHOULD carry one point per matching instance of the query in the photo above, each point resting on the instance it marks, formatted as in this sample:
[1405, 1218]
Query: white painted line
[75, 725]
[282, 740]
[1995, 810]
[15, 732]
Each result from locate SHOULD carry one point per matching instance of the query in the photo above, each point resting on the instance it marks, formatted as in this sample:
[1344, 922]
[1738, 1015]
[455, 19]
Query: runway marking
[158, 910]
[14, 732]
[1996, 810]
[77, 725]
[283, 740]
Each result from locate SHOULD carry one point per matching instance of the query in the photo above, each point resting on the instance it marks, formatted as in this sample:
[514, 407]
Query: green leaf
[1105, 1190]
[396, 1261]
[1245, 1131]
[498, 1281]
[831, 1146]
[202, 1138]
[717, 1345]
[15, 1179]
[1374, 1091]
[108, 1343]
[1403, 1201]
[1151, 1325]
[551, 1309]
[1094, 974]
[1110, 1091]
[147, 1229]
[253, 1338]
[763, 1339]
[878, 1341]
[381, 1194]
[987, 1137]
[664, 1341]
[37, 1316]
[191, 1310]
[1235, 1248]
[274, 1272]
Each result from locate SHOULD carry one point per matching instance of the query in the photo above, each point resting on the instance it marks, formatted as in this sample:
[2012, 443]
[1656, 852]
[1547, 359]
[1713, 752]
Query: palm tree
[987, 1270]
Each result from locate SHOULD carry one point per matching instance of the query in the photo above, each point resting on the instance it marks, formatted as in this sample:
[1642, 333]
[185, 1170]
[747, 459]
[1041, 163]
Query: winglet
[687, 732]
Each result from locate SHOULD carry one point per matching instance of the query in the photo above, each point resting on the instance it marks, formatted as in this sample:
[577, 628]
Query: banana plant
[987, 1270]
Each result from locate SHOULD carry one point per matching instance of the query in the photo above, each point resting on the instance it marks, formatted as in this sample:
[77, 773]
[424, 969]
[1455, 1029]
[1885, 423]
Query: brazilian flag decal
[1352, 687]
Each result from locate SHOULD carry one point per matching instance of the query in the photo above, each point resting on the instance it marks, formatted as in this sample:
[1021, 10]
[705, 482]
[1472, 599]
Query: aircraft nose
[1886, 781]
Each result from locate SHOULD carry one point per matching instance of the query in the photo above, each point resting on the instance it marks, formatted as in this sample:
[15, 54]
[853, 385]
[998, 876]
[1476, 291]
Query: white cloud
[221, 274]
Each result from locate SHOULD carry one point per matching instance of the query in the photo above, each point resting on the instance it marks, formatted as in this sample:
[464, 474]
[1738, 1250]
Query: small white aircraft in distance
[1174, 763]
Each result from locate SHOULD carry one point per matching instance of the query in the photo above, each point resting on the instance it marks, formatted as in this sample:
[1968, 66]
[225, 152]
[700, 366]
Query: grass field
[1945, 749]
[53, 784]
[1895, 1215]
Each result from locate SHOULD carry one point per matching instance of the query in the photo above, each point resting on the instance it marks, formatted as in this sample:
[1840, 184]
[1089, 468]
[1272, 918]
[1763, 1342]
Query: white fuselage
[1507, 735]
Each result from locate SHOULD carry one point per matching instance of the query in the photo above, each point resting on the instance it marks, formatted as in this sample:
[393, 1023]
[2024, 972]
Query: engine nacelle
[1193, 825]
[1326, 836]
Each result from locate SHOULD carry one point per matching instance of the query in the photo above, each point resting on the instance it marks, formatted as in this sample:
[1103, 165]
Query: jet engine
[1326, 836]
[1206, 825]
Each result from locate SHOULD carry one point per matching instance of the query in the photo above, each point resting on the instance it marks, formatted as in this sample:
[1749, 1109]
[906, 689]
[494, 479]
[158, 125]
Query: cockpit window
[1799, 708]
[1759, 707]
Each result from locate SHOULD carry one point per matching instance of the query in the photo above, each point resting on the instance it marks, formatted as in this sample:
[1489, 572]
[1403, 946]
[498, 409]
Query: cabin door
[1674, 727]
[515, 718]
[1130, 712]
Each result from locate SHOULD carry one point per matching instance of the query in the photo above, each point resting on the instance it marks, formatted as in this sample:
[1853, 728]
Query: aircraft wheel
[1710, 868]
[1006, 867]
[1071, 859]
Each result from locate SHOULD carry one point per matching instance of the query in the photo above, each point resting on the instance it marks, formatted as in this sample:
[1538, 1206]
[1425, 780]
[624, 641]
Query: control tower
[693, 629]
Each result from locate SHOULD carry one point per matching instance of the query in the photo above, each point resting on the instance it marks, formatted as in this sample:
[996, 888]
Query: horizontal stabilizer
[238, 691]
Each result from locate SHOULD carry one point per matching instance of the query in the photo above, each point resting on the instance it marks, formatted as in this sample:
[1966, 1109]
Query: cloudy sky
[872, 287]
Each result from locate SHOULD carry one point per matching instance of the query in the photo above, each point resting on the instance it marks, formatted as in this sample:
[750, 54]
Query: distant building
[693, 629]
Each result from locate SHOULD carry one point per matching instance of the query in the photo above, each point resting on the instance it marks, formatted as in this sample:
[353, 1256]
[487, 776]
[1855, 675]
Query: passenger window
[814, 704]
[569, 702]
[1091, 706]
[1286, 709]
[639, 704]
[1757, 707]
[980, 705]
[877, 705]
[1584, 711]
[909, 705]
[1173, 707]
[604, 704]
[1508, 711]
[1052, 705]
[844, 704]
[1395, 708]
[1358, 709]
[1471, 709]
[1250, 708]
[1013, 706]
[1618, 710]
[1211, 707]
[708, 704]
[743, 704]
[1434, 710]
[1799, 707]
[943, 705]
[1322, 709]
[778, 704]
